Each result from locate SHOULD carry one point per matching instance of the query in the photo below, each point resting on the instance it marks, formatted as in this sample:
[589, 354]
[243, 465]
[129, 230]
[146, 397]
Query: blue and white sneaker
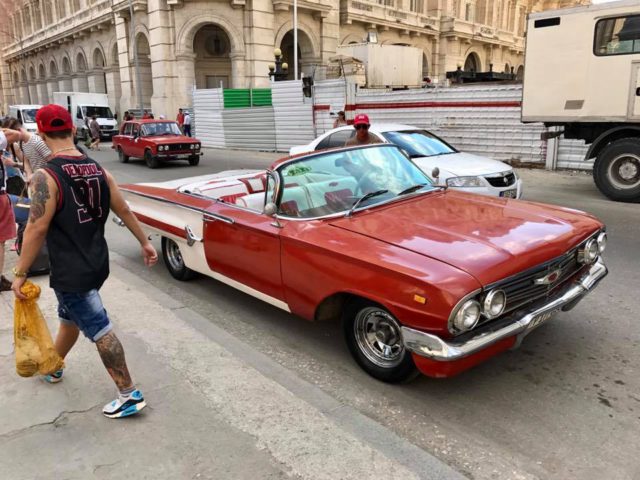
[54, 377]
[123, 406]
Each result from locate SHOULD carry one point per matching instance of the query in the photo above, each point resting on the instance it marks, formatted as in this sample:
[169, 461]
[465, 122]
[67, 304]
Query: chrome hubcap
[379, 337]
[624, 171]
[174, 257]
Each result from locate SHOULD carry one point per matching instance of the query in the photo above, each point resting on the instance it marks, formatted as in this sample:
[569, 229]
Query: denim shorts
[85, 311]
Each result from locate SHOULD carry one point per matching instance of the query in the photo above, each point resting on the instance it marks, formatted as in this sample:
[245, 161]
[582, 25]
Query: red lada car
[424, 278]
[155, 141]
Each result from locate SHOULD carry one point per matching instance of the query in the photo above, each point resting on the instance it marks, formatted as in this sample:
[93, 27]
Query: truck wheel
[617, 170]
[174, 262]
[152, 162]
[193, 161]
[374, 338]
[123, 158]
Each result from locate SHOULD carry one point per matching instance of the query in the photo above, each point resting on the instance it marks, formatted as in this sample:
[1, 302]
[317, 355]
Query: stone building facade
[85, 45]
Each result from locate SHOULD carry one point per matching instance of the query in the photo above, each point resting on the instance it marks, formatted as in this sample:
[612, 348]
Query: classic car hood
[489, 238]
[163, 139]
[460, 164]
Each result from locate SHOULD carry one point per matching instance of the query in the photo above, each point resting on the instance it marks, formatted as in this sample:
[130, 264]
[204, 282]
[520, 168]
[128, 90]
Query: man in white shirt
[187, 124]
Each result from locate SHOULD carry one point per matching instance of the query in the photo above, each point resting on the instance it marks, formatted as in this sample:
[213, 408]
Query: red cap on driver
[361, 119]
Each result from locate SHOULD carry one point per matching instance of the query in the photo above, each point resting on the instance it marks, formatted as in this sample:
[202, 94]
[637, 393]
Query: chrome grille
[176, 147]
[502, 181]
[522, 288]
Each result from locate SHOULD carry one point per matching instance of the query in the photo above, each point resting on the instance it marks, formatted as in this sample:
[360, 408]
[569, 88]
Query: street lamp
[279, 71]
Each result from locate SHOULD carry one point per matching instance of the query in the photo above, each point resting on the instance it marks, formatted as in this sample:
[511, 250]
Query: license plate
[513, 193]
[540, 319]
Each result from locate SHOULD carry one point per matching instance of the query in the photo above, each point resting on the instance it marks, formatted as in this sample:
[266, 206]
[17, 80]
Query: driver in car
[368, 181]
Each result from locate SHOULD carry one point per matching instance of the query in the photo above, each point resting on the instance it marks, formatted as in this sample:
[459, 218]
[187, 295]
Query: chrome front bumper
[436, 348]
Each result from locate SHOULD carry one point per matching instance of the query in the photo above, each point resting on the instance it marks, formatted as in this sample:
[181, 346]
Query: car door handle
[214, 217]
[191, 237]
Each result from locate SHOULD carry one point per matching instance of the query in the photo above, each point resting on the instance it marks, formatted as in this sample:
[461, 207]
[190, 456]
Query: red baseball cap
[53, 118]
[361, 119]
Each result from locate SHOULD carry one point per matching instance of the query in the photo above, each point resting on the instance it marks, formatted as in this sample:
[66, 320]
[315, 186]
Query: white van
[26, 114]
[83, 106]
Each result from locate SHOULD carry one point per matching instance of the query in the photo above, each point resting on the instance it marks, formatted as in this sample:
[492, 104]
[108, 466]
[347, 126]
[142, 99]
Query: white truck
[26, 114]
[82, 106]
[582, 74]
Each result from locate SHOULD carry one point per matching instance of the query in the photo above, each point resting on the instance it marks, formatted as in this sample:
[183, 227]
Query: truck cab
[582, 74]
[26, 114]
[83, 106]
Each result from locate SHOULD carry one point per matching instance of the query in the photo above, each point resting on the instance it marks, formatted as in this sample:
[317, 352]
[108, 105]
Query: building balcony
[455, 27]
[387, 14]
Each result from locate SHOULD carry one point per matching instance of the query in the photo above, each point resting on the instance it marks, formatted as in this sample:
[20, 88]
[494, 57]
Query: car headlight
[602, 242]
[467, 316]
[193, 146]
[494, 303]
[464, 182]
[197, 146]
[589, 252]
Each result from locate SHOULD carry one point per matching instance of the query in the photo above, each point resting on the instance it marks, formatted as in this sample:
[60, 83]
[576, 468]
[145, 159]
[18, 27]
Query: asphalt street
[566, 405]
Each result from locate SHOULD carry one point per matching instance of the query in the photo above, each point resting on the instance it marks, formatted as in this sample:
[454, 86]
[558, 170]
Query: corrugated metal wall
[207, 109]
[478, 119]
[571, 154]
[293, 115]
[329, 95]
[250, 128]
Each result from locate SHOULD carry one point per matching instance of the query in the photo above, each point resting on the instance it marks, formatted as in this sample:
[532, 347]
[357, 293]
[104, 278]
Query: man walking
[180, 120]
[70, 204]
[187, 124]
[94, 130]
[362, 136]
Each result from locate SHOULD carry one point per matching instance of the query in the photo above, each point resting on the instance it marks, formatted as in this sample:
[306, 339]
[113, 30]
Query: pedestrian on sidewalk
[187, 124]
[341, 121]
[180, 120]
[94, 129]
[72, 196]
[7, 220]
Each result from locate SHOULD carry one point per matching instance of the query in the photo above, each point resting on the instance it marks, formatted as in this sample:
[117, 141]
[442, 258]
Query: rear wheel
[122, 157]
[617, 170]
[374, 338]
[174, 261]
[151, 161]
[194, 160]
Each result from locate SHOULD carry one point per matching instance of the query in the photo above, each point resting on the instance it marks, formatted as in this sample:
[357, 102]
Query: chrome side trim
[191, 237]
[214, 217]
[431, 346]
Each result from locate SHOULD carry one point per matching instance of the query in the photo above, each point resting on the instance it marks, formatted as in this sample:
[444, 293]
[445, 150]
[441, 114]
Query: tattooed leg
[112, 355]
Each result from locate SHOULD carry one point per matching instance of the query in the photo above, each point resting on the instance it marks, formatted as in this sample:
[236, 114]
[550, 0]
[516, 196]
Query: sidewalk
[217, 409]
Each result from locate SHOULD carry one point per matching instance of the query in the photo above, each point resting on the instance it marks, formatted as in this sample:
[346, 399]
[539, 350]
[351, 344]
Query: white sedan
[459, 170]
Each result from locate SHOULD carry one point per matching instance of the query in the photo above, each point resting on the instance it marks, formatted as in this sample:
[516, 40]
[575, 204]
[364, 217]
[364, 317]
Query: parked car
[155, 141]
[425, 278]
[459, 170]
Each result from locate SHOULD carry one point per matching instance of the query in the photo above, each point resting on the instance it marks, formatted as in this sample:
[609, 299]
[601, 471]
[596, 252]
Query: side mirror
[270, 209]
[435, 174]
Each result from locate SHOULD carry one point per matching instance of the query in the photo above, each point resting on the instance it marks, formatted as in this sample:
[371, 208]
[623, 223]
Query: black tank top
[78, 251]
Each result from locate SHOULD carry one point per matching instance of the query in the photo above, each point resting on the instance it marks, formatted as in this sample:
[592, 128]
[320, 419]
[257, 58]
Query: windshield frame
[85, 110]
[422, 130]
[383, 201]
[144, 125]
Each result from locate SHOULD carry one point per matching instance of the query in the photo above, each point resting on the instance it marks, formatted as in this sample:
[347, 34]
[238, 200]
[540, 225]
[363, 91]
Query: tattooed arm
[43, 206]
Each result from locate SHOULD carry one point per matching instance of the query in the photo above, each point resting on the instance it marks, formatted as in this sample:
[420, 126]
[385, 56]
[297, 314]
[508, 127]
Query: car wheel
[174, 261]
[122, 157]
[151, 161]
[616, 171]
[193, 161]
[374, 338]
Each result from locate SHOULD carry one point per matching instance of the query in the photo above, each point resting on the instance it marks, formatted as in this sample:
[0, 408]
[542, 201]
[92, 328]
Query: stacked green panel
[245, 97]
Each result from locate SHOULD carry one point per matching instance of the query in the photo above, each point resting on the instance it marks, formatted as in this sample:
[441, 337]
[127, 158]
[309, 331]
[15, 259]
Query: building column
[52, 86]
[33, 91]
[329, 35]
[43, 95]
[8, 92]
[259, 38]
[186, 81]
[163, 101]
[114, 91]
[122, 37]
[238, 70]
[96, 81]
[65, 84]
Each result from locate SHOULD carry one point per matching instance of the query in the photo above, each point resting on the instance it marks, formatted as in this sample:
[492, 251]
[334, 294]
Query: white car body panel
[459, 164]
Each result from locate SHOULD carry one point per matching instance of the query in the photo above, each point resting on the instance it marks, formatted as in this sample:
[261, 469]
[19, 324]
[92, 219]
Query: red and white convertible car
[424, 278]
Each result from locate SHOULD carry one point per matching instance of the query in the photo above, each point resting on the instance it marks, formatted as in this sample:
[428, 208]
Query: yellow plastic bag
[35, 352]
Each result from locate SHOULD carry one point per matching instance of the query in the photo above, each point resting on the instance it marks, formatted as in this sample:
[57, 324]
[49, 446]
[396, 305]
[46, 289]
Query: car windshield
[418, 143]
[160, 128]
[332, 182]
[29, 115]
[100, 112]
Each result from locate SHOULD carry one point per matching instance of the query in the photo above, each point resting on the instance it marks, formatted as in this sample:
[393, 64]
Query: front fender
[609, 136]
